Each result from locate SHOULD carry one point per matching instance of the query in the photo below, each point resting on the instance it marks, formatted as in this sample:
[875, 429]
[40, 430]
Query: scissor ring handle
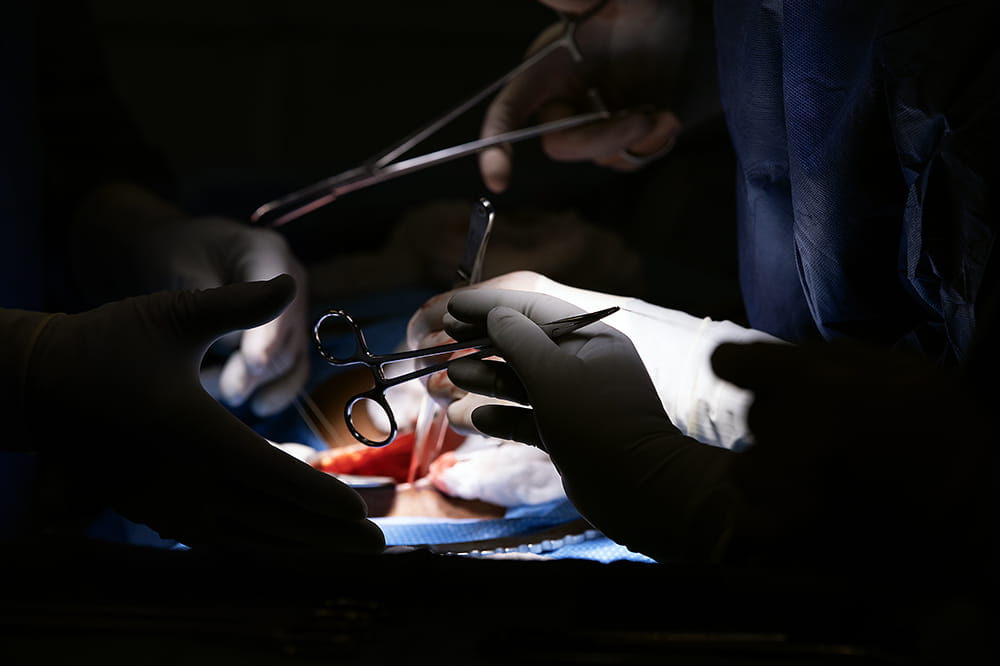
[360, 347]
[377, 396]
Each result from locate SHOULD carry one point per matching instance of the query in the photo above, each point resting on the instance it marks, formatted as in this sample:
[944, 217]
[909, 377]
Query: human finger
[761, 366]
[494, 379]
[275, 395]
[460, 411]
[659, 140]
[608, 142]
[214, 312]
[272, 356]
[514, 104]
[427, 321]
[442, 389]
[508, 422]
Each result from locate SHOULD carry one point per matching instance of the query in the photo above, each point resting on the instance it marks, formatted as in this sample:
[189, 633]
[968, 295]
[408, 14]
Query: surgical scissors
[376, 363]
[382, 166]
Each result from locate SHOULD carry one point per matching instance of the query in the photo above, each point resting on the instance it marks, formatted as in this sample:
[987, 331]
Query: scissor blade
[554, 329]
[470, 269]
[561, 327]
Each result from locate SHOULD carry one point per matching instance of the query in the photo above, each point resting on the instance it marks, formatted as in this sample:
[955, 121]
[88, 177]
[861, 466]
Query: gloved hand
[593, 408]
[129, 241]
[426, 329]
[269, 362]
[863, 458]
[674, 347]
[632, 51]
[113, 394]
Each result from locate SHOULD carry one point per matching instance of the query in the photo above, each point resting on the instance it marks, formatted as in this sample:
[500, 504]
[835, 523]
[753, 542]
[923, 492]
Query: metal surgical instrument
[432, 418]
[382, 166]
[376, 363]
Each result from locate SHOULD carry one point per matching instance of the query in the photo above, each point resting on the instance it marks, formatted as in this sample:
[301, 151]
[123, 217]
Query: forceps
[376, 363]
[382, 167]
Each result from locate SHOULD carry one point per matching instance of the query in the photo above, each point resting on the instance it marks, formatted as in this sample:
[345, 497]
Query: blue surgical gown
[865, 137]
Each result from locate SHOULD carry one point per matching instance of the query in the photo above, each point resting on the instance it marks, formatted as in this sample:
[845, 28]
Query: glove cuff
[22, 329]
[676, 349]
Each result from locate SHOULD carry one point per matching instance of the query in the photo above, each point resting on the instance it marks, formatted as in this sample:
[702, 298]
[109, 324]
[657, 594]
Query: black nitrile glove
[879, 469]
[593, 408]
[113, 395]
[864, 458]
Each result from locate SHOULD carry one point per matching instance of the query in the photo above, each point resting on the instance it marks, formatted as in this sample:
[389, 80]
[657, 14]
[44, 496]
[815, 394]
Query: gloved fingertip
[729, 363]
[510, 423]
[283, 281]
[755, 365]
[279, 289]
[462, 372]
[495, 184]
[236, 383]
[232, 307]
[267, 405]
[232, 400]
[482, 421]
[495, 166]
[371, 538]
[724, 357]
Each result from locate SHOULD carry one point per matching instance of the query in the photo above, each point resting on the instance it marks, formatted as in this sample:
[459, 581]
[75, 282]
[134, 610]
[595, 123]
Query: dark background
[250, 100]
[236, 91]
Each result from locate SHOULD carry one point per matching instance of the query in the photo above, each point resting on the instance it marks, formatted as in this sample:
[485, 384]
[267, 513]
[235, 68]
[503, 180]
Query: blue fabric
[833, 136]
[749, 45]
[386, 315]
[112, 526]
[416, 531]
